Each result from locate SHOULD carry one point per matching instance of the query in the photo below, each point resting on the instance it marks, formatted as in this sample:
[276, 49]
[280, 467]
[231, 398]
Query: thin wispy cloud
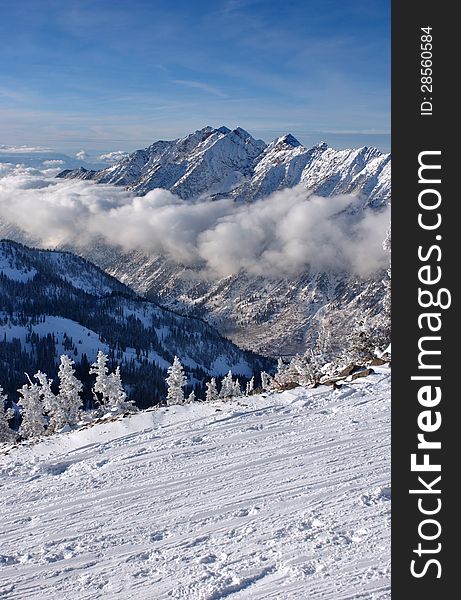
[199, 85]
[5, 149]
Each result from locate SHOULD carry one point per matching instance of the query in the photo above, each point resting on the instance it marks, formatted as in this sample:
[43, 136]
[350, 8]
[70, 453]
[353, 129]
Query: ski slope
[278, 496]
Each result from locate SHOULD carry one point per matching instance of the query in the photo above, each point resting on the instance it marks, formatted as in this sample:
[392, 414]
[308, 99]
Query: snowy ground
[278, 497]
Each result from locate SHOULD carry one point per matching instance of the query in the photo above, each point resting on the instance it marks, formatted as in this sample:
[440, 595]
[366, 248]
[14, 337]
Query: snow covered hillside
[53, 303]
[282, 496]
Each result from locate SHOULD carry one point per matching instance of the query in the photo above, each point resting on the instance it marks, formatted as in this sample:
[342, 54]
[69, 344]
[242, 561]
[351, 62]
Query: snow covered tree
[305, 370]
[191, 397]
[116, 395]
[33, 423]
[283, 376]
[250, 386]
[70, 389]
[237, 392]
[266, 381]
[175, 381]
[227, 387]
[211, 391]
[361, 343]
[7, 435]
[51, 403]
[99, 368]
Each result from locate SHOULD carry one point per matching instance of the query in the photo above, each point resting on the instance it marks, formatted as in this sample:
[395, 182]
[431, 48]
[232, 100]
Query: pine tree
[305, 370]
[266, 381]
[227, 387]
[99, 389]
[282, 376]
[33, 419]
[70, 389]
[211, 391]
[51, 403]
[191, 397]
[360, 344]
[117, 397]
[250, 387]
[7, 435]
[175, 381]
[237, 392]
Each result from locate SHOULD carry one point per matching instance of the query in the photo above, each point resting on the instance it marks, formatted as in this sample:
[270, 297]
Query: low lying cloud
[278, 236]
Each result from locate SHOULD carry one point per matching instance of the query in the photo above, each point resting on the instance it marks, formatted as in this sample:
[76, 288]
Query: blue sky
[119, 74]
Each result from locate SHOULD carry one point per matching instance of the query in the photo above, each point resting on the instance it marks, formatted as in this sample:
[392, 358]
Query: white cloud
[112, 157]
[81, 155]
[280, 235]
[54, 162]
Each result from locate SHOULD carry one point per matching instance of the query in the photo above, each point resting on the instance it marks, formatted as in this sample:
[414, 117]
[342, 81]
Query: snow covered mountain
[274, 496]
[220, 162]
[270, 315]
[55, 302]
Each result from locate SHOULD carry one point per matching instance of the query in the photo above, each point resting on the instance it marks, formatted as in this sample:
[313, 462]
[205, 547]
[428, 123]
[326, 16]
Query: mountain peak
[321, 145]
[241, 133]
[290, 140]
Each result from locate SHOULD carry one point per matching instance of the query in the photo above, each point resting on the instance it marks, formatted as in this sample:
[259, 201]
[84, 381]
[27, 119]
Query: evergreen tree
[211, 391]
[117, 397]
[33, 419]
[361, 345]
[175, 381]
[283, 375]
[266, 381]
[51, 403]
[305, 370]
[191, 397]
[7, 435]
[237, 391]
[227, 387]
[250, 386]
[70, 389]
[99, 389]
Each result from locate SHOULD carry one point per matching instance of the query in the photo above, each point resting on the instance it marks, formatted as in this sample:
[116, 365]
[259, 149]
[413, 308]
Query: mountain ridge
[219, 162]
[54, 302]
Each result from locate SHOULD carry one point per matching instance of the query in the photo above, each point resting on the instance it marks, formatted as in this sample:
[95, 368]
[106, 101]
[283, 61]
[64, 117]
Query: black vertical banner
[425, 291]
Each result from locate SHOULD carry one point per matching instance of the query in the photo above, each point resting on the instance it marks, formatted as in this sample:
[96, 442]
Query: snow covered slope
[55, 302]
[284, 496]
[221, 162]
[273, 316]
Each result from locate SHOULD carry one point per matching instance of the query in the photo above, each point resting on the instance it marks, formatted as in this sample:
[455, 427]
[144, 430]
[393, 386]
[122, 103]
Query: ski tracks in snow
[281, 496]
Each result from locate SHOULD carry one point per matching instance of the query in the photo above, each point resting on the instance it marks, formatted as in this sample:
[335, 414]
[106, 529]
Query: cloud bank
[279, 236]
